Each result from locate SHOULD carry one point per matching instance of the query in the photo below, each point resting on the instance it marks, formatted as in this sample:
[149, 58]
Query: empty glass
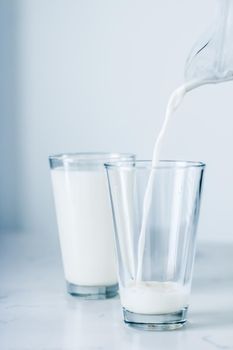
[155, 269]
[85, 222]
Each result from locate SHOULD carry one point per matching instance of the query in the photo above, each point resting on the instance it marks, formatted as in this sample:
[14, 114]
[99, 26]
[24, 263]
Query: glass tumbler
[155, 238]
[85, 222]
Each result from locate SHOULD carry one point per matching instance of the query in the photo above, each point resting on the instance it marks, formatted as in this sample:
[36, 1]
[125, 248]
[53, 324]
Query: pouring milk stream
[210, 62]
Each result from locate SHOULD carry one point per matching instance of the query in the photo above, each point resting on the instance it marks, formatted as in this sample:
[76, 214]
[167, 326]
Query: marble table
[36, 313]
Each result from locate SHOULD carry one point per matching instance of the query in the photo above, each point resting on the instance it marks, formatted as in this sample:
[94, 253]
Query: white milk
[175, 100]
[154, 297]
[85, 226]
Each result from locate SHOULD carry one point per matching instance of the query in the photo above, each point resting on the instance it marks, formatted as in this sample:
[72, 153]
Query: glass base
[159, 322]
[92, 292]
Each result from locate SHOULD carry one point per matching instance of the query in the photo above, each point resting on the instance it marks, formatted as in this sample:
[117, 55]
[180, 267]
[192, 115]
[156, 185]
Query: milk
[154, 297]
[85, 226]
[174, 102]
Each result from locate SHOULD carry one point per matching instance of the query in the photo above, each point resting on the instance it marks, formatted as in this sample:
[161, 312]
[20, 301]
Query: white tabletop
[36, 313]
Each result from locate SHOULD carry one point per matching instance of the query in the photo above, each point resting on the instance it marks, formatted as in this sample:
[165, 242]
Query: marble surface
[37, 313]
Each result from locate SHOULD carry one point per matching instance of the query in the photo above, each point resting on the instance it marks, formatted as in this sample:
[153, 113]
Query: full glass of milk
[85, 222]
[155, 264]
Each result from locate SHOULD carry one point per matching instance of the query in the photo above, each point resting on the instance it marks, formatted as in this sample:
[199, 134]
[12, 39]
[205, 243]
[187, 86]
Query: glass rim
[89, 156]
[162, 164]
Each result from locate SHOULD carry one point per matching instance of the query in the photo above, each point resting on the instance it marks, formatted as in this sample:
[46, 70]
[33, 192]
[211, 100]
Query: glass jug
[211, 59]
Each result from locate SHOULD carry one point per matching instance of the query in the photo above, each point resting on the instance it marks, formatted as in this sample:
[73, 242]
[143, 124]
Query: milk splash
[174, 102]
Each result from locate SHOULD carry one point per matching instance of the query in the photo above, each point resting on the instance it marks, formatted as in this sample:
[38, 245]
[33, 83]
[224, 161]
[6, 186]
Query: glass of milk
[85, 222]
[155, 263]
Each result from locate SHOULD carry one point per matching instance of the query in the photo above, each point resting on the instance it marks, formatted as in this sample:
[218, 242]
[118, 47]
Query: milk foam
[154, 297]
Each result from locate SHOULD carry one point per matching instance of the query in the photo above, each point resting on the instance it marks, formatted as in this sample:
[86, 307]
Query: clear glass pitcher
[211, 59]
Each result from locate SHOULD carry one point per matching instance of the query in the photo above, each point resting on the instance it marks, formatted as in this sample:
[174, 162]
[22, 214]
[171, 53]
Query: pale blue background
[96, 75]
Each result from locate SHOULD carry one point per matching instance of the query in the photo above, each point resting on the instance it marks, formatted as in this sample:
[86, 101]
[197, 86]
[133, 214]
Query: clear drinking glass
[85, 222]
[155, 265]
